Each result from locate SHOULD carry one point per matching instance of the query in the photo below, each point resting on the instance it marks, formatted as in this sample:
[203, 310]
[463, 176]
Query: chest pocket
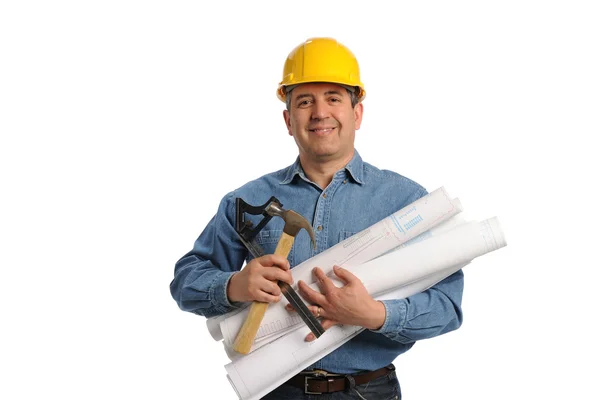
[345, 235]
[268, 239]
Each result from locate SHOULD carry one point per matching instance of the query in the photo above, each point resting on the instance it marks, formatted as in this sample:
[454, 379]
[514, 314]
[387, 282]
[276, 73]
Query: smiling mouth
[321, 131]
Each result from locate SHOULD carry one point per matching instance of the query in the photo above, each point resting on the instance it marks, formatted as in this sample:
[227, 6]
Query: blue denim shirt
[358, 196]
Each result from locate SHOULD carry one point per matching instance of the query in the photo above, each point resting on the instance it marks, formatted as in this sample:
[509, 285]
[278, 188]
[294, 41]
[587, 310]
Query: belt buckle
[314, 375]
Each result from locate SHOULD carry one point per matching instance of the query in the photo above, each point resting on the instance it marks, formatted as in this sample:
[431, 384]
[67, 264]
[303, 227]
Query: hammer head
[293, 221]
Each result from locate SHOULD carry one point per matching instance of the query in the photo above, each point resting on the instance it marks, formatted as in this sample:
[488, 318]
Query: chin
[324, 153]
[327, 156]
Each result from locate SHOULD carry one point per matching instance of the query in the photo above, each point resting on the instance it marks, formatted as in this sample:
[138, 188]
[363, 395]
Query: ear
[358, 113]
[286, 118]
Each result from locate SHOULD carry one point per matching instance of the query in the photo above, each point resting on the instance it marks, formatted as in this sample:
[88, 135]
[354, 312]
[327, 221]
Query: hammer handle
[245, 337]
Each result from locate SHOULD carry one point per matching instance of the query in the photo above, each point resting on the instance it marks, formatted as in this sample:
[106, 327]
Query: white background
[123, 123]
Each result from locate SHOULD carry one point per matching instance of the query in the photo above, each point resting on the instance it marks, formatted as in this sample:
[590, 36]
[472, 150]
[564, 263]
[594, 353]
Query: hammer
[294, 222]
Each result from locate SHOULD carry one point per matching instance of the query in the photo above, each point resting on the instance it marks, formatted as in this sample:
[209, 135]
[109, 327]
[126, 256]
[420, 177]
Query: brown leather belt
[318, 382]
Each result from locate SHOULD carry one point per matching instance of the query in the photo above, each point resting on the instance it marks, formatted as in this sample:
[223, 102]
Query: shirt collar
[354, 169]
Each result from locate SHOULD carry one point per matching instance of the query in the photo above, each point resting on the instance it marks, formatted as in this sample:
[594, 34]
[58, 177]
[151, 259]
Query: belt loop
[351, 381]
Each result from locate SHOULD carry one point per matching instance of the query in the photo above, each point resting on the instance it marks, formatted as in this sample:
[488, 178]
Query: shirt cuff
[219, 293]
[395, 316]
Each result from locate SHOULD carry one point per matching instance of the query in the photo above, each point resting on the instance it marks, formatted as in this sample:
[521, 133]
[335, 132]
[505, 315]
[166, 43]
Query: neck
[321, 172]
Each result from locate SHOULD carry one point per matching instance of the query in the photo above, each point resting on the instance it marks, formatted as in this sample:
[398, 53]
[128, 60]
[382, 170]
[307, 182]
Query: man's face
[322, 121]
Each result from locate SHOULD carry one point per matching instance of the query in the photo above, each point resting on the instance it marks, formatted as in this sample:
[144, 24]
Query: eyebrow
[327, 93]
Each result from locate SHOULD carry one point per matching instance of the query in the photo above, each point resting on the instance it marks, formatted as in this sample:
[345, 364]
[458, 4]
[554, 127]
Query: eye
[303, 103]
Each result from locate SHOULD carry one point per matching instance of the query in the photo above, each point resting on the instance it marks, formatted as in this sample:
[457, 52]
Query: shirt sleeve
[427, 314]
[202, 275]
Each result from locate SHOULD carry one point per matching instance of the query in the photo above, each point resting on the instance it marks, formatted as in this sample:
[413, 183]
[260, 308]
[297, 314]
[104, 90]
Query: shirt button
[320, 227]
[324, 195]
[345, 180]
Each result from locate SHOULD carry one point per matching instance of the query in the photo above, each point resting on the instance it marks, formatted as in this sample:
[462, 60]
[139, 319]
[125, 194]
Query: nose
[320, 109]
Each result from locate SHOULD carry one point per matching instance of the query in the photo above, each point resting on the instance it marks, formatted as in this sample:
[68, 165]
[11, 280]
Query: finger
[274, 260]
[325, 283]
[265, 297]
[276, 274]
[312, 296]
[345, 275]
[314, 310]
[317, 311]
[270, 287]
[326, 324]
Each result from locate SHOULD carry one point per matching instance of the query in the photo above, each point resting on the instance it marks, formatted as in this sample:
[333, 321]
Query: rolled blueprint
[383, 236]
[411, 270]
[272, 326]
[412, 263]
[309, 352]
[388, 234]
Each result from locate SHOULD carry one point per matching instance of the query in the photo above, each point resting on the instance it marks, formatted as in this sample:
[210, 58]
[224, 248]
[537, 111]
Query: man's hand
[257, 281]
[348, 305]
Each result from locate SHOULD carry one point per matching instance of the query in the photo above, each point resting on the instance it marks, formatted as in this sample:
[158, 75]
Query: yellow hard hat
[321, 60]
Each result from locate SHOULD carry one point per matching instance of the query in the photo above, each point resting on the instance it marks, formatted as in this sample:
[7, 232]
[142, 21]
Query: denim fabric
[383, 388]
[358, 196]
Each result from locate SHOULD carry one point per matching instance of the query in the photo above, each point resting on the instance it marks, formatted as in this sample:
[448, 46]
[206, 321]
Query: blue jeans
[384, 388]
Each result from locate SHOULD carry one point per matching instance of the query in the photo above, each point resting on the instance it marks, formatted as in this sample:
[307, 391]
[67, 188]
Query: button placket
[324, 204]
[318, 227]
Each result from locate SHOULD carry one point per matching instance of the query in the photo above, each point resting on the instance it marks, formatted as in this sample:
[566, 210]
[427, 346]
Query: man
[331, 186]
